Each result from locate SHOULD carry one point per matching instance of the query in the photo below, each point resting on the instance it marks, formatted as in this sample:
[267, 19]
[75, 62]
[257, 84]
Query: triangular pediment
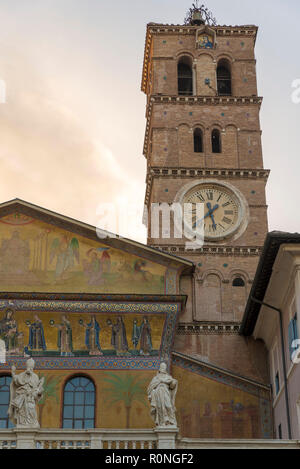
[42, 251]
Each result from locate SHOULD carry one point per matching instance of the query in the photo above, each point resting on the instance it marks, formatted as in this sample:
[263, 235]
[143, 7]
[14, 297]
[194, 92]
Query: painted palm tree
[125, 389]
[51, 388]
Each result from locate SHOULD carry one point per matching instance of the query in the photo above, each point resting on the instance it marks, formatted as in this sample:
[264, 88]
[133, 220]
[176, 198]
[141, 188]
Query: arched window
[4, 402]
[79, 403]
[185, 77]
[216, 141]
[224, 78]
[198, 141]
[239, 297]
[238, 282]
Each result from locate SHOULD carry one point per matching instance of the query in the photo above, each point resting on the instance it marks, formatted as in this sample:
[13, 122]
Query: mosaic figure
[95, 267]
[36, 335]
[9, 332]
[65, 251]
[92, 332]
[205, 42]
[142, 335]
[14, 255]
[118, 336]
[64, 337]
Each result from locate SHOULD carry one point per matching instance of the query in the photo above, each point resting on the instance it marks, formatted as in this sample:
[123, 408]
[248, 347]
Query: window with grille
[4, 401]
[185, 77]
[293, 335]
[224, 79]
[79, 403]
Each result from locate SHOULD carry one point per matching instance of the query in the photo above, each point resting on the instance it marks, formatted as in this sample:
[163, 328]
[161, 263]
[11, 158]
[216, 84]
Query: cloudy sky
[72, 127]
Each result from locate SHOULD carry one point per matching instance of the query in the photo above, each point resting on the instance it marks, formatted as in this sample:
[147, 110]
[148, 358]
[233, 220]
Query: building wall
[245, 357]
[290, 302]
[212, 408]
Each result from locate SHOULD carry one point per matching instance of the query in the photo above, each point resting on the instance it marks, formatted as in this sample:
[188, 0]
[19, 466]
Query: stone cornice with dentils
[225, 173]
[221, 31]
[224, 251]
[195, 100]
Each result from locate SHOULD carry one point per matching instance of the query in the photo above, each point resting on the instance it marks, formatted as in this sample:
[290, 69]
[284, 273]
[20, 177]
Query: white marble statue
[26, 390]
[161, 394]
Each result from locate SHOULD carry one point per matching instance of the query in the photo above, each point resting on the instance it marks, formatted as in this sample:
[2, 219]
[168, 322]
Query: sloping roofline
[89, 231]
[263, 275]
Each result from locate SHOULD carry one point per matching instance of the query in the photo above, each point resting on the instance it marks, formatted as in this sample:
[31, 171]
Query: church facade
[99, 316]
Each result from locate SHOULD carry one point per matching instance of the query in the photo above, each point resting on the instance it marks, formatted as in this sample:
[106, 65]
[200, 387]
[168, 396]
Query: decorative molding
[223, 173]
[215, 373]
[99, 363]
[85, 307]
[226, 251]
[208, 328]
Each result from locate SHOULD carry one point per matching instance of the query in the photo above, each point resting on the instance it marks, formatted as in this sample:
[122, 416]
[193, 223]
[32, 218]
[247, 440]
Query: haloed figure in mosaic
[92, 331]
[161, 394]
[118, 336]
[64, 336]
[26, 389]
[9, 333]
[36, 335]
[142, 335]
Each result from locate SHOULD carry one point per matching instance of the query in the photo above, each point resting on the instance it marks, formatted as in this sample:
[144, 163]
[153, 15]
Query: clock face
[222, 210]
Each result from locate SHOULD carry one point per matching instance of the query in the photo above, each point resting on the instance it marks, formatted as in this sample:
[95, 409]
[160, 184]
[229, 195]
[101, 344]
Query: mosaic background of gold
[46, 243]
[157, 322]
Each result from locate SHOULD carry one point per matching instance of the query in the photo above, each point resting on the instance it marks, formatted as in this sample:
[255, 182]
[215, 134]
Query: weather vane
[198, 15]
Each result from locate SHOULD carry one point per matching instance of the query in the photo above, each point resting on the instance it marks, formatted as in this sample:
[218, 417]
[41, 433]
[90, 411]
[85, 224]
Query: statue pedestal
[25, 437]
[166, 437]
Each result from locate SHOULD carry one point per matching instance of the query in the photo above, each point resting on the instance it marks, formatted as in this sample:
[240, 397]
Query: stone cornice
[196, 100]
[213, 250]
[225, 173]
[161, 29]
[208, 328]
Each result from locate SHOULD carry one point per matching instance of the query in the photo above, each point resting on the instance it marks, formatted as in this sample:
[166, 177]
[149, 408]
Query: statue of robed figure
[161, 394]
[26, 389]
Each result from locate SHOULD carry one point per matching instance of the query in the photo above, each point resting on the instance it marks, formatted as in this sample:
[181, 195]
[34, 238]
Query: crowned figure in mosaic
[26, 389]
[161, 394]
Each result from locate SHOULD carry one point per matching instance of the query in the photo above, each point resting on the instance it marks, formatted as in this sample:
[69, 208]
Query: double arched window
[198, 141]
[4, 401]
[79, 403]
[185, 76]
[224, 78]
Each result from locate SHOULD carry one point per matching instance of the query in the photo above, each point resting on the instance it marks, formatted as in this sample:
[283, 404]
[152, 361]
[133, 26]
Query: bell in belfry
[197, 19]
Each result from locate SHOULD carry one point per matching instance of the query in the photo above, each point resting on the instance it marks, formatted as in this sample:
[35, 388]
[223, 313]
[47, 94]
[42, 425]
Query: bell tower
[203, 144]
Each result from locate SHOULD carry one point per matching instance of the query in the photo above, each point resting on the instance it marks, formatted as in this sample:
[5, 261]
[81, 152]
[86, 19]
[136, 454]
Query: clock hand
[209, 214]
[202, 219]
[213, 220]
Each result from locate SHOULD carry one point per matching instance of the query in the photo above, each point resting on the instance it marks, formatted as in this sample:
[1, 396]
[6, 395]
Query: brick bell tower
[203, 144]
